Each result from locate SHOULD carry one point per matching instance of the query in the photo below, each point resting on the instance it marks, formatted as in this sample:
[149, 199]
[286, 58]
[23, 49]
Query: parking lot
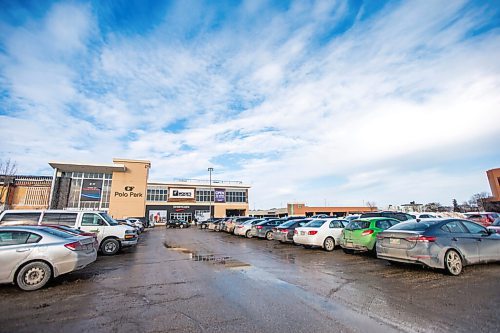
[190, 280]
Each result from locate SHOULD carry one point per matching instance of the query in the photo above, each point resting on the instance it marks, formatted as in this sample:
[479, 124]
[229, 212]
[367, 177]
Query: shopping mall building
[123, 189]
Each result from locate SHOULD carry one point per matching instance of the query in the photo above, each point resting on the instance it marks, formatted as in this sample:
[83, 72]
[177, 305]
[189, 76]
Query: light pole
[210, 193]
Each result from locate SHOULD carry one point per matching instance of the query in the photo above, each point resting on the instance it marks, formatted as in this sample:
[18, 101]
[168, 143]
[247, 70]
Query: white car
[320, 232]
[245, 228]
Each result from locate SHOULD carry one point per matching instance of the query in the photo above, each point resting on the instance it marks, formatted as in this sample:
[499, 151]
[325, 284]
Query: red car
[495, 226]
[484, 218]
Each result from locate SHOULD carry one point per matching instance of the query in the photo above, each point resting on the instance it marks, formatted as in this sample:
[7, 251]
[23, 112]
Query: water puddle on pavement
[226, 261]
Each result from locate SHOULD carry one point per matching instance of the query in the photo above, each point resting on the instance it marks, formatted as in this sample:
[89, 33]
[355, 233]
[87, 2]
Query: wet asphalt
[194, 280]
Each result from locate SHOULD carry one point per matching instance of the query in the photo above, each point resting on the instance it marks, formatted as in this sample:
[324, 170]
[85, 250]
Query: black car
[284, 232]
[177, 224]
[393, 215]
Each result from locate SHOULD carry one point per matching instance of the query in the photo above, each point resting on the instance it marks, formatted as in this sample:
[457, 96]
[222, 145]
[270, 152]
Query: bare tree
[8, 169]
[372, 205]
[478, 200]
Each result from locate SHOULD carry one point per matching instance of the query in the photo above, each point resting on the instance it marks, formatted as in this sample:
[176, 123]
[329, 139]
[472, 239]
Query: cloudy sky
[336, 102]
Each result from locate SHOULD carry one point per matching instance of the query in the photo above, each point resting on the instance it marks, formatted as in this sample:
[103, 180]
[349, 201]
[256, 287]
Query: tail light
[75, 246]
[423, 239]
[367, 232]
[284, 230]
[259, 227]
[312, 232]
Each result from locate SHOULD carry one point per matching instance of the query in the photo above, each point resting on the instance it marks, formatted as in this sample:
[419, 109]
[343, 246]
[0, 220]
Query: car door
[488, 245]
[335, 230]
[15, 247]
[92, 222]
[460, 238]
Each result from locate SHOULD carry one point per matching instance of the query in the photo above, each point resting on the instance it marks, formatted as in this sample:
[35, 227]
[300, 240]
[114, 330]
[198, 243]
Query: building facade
[300, 209]
[24, 192]
[190, 199]
[493, 203]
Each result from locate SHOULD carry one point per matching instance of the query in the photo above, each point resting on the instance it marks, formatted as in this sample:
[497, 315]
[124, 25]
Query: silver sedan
[440, 243]
[31, 255]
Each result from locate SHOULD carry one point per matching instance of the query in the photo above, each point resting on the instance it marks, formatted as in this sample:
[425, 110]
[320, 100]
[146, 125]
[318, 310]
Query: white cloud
[379, 112]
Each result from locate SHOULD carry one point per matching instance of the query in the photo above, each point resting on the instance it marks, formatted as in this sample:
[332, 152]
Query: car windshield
[288, 224]
[315, 224]
[413, 226]
[108, 219]
[358, 225]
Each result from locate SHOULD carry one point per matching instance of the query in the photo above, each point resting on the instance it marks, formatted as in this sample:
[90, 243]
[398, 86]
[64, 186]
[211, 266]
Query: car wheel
[110, 247]
[453, 262]
[247, 234]
[269, 235]
[348, 251]
[329, 244]
[33, 276]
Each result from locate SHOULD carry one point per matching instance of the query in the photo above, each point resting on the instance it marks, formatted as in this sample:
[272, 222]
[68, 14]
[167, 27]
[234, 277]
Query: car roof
[25, 227]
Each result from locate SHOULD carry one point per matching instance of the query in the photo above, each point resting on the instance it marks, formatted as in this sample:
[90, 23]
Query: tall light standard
[210, 170]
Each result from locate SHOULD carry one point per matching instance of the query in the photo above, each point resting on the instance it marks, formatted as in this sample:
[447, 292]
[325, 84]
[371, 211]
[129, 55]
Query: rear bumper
[282, 237]
[416, 255]
[305, 240]
[74, 261]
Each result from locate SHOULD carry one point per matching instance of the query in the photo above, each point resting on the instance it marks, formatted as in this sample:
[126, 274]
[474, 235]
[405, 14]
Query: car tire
[453, 263]
[329, 244]
[33, 276]
[269, 235]
[110, 247]
[248, 234]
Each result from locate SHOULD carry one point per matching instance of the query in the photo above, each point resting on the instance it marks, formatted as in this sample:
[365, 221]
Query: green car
[361, 235]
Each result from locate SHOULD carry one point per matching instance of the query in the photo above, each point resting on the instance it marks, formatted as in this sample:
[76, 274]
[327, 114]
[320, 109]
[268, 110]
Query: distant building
[24, 192]
[493, 203]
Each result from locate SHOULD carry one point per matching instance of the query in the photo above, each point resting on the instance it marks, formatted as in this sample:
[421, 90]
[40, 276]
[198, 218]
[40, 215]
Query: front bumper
[129, 242]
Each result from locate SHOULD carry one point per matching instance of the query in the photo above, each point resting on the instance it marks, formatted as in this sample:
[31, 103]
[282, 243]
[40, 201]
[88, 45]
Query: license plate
[302, 232]
[349, 244]
[395, 241]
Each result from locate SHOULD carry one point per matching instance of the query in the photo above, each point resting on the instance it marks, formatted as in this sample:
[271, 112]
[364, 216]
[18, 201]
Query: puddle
[226, 261]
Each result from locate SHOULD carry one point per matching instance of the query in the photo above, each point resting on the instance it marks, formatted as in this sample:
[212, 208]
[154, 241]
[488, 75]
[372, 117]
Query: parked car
[31, 255]
[136, 222]
[284, 232]
[495, 226]
[214, 224]
[176, 223]
[424, 215]
[349, 218]
[245, 228]
[130, 224]
[361, 235]
[112, 236]
[75, 232]
[233, 222]
[264, 229]
[483, 218]
[448, 244]
[324, 233]
[390, 214]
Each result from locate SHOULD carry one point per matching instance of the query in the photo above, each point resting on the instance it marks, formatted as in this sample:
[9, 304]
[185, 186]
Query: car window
[383, 224]
[57, 233]
[336, 224]
[68, 219]
[454, 227]
[358, 225]
[315, 223]
[20, 218]
[425, 216]
[13, 237]
[474, 228]
[416, 226]
[474, 216]
[91, 219]
[33, 239]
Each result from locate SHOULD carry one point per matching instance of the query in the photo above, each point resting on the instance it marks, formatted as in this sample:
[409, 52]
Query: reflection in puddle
[227, 261]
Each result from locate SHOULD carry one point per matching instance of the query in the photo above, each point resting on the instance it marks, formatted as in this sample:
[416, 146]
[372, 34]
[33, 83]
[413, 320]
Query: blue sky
[310, 101]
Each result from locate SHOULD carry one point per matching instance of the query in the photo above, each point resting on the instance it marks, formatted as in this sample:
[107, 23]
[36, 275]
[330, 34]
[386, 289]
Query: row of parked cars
[426, 238]
[37, 245]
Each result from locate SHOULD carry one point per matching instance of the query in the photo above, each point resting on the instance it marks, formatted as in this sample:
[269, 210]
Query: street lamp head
[210, 169]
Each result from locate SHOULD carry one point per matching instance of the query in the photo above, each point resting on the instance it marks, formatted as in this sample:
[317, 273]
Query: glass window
[474, 228]
[358, 225]
[33, 238]
[20, 218]
[90, 219]
[204, 196]
[454, 227]
[13, 237]
[315, 223]
[383, 224]
[68, 219]
[336, 224]
[157, 193]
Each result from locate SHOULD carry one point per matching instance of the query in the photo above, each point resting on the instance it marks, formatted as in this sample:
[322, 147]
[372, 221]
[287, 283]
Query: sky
[319, 102]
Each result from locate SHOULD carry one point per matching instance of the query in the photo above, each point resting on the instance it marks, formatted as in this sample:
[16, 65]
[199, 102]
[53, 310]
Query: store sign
[91, 190]
[181, 193]
[128, 192]
[220, 195]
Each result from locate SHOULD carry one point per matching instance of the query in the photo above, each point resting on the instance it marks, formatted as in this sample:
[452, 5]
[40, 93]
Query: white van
[111, 235]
